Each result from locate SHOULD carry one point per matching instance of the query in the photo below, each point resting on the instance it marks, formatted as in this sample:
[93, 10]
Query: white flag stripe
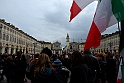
[119, 72]
[83, 3]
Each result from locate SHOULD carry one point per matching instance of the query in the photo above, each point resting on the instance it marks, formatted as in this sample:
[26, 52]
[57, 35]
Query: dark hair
[76, 57]
[47, 51]
[87, 51]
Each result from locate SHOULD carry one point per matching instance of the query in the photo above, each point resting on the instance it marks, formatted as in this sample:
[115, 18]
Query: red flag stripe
[75, 9]
[93, 38]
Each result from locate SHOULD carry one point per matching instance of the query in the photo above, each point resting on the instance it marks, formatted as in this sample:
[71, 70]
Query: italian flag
[108, 13]
[78, 6]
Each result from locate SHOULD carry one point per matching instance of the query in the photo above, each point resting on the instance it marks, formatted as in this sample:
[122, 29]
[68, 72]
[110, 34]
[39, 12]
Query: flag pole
[121, 48]
[119, 29]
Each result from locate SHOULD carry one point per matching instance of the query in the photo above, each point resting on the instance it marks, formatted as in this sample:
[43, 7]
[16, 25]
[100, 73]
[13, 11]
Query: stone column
[3, 50]
[9, 50]
[14, 50]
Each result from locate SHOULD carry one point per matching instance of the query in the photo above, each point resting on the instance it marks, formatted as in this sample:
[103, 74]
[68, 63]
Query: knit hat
[57, 62]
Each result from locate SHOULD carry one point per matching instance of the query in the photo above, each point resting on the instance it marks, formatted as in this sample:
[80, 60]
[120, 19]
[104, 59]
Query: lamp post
[71, 47]
[110, 44]
[35, 44]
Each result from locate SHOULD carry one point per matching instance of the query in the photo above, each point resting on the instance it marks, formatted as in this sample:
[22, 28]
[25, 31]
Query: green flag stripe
[118, 9]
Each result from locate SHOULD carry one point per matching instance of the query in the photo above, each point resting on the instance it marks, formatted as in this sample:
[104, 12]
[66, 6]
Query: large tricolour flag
[108, 13]
[78, 6]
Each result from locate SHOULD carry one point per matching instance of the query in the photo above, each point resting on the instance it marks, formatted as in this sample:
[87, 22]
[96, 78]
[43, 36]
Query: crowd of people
[75, 67]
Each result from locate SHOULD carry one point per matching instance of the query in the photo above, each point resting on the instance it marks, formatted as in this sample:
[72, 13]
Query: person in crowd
[20, 67]
[93, 64]
[102, 64]
[61, 69]
[66, 61]
[111, 72]
[27, 57]
[9, 70]
[79, 70]
[23, 68]
[43, 72]
[47, 51]
[1, 66]
[53, 57]
[116, 57]
[30, 68]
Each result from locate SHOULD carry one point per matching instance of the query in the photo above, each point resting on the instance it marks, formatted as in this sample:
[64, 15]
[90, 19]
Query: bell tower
[67, 40]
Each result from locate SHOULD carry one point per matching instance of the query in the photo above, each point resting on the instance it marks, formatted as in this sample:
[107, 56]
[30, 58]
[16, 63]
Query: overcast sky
[48, 20]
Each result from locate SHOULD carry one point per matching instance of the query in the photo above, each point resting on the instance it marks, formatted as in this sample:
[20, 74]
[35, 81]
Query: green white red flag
[108, 13]
[78, 6]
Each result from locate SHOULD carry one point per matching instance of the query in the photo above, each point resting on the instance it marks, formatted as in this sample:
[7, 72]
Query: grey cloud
[48, 20]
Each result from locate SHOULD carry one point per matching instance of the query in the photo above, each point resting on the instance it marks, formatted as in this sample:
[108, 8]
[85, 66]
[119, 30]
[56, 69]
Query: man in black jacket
[93, 64]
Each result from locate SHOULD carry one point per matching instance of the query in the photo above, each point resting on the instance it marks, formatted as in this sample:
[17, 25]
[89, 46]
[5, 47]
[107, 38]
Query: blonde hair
[41, 64]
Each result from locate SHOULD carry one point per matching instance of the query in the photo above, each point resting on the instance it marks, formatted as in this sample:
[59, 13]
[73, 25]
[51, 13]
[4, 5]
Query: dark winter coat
[9, 69]
[79, 73]
[93, 64]
[49, 76]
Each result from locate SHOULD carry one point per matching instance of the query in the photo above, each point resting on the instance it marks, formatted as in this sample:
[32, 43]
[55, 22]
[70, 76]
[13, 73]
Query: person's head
[76, 57]
[116, 54]
[47, 51]
[109, 55]
[9, 59]
[36, 55]
[43, 59]
[18, 54]
[42, 62]
[100, 56]
[87, 51]
[57, 63]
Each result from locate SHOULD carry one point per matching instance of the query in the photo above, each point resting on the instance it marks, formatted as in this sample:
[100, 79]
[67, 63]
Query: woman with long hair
[43, 72]
[42, 64]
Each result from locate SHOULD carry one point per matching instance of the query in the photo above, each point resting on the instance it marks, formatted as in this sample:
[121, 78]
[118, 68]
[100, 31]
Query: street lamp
[110, 44]
[35, 44]
[71, 47]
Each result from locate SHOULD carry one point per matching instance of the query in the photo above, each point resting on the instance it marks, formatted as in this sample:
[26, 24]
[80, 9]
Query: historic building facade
[81, 46]
[72, 46]
[109, 42]
[57, 48]
[12, 40]
[45, 44]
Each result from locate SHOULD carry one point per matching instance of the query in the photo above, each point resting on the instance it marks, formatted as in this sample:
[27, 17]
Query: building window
[0, 35]
[7, 38]
[5, 27]
[1, 25]
[15, 40]
[4, 36]
[8, 28]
